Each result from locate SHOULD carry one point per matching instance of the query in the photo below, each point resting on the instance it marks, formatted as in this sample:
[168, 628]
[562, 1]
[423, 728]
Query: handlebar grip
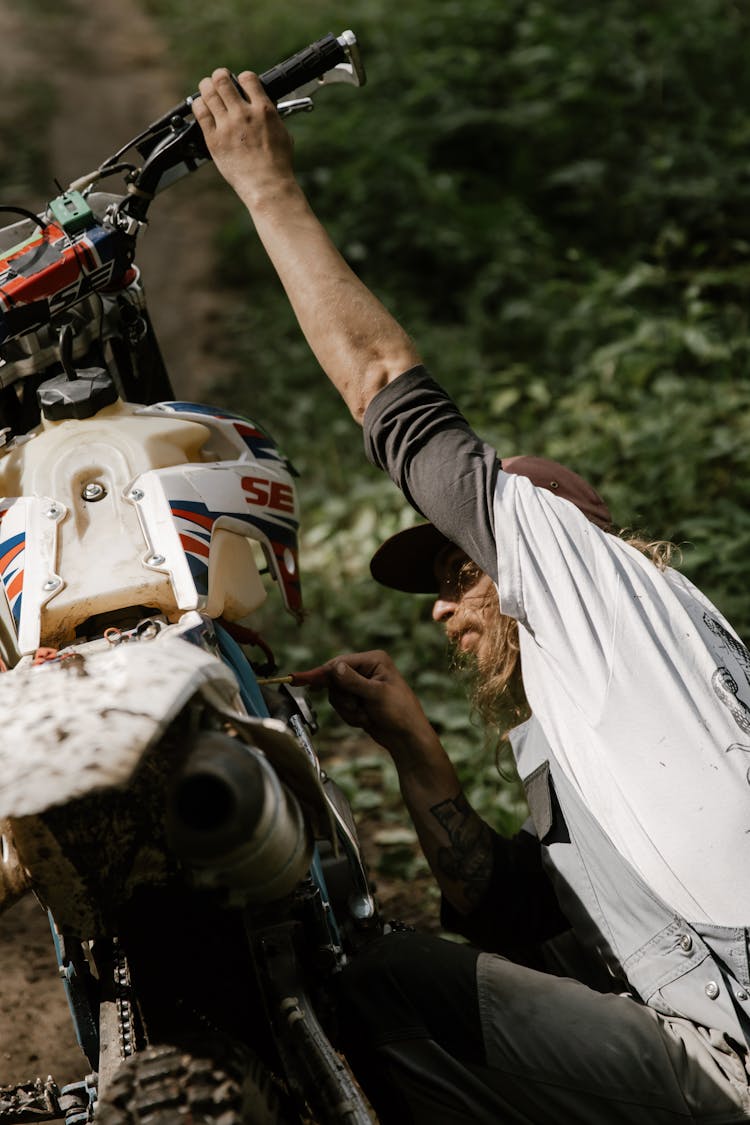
[305, 66]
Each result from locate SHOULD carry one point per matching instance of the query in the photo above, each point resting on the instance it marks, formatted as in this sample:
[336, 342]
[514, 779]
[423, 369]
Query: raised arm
[355, 339]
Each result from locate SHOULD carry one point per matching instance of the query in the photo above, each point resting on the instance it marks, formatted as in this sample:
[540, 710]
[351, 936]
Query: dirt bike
[162, 798]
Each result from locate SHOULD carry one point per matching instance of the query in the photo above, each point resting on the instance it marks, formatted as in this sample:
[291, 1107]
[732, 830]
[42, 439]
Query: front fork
[77, 1100]
[317, 1075]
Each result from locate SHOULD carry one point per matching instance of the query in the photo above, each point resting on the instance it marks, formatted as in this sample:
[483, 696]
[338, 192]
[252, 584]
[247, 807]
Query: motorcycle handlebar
[307, 65]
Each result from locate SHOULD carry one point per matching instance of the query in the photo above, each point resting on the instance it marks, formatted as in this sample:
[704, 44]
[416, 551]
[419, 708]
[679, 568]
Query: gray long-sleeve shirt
[415, 433]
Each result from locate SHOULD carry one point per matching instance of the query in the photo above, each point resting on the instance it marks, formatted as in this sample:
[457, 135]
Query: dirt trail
[112, 75]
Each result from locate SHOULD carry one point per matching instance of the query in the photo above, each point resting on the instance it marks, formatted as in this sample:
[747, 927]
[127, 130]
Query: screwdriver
[317, 678]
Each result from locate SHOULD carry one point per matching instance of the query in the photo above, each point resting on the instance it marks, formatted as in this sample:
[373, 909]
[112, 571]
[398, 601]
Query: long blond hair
[497, 692]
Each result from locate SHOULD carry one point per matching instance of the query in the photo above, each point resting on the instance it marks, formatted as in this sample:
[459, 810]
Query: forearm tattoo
[468, 857]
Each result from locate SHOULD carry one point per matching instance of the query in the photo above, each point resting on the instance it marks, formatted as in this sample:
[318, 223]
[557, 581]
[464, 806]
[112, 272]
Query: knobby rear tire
[208, 1085]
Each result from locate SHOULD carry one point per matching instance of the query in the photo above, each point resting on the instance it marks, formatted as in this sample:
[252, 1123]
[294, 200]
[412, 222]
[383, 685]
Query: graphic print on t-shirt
[724, 684]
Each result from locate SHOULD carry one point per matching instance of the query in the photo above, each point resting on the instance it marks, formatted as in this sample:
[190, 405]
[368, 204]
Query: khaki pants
[441, 1034]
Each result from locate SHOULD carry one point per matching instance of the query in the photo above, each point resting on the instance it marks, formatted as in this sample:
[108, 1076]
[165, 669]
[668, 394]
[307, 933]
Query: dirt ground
[111, 74]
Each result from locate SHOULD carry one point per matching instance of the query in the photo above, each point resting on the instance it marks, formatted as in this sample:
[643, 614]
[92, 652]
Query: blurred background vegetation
[553, 200]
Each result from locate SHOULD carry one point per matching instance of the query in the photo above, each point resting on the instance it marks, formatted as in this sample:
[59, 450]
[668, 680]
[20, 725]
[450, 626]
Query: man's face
[461, 604]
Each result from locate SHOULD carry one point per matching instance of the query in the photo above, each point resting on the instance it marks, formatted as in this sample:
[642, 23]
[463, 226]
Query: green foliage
[553, 199]
[24, 161]
[27, 104]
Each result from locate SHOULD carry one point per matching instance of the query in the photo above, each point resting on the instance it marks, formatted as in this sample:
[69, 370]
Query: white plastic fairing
[246, 488]
[156, 507]
[65, 557]
[235, 587]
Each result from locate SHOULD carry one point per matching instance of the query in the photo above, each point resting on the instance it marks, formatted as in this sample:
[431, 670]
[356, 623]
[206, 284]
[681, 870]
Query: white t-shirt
[640, 685]
[643, 691]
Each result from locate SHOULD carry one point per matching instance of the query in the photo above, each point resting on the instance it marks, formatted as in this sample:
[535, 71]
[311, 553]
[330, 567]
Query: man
[634, 759]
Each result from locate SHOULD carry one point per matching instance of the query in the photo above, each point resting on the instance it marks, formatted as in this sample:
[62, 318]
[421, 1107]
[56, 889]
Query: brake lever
[295, 105]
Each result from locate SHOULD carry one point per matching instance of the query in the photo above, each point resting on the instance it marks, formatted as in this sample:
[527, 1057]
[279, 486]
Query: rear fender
[82, 724]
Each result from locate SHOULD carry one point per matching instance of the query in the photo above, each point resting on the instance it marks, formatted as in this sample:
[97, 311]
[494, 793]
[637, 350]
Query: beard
[466, 632]
[493, 660]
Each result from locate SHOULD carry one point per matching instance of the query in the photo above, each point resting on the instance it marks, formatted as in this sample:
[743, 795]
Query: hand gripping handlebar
[307, 66]
[330, 58]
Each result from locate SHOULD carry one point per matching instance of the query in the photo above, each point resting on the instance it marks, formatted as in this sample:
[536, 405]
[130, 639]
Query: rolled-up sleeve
[415, 433]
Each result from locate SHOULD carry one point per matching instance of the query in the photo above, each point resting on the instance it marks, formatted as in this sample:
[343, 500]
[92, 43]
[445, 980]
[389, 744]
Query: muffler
[233, 824]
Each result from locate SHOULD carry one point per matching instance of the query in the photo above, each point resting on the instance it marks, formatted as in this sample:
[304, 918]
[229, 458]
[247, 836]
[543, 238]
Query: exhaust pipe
[233, 824]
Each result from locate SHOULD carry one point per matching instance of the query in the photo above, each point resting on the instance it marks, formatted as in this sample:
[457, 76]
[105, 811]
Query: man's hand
[249, 143]
[367, 690]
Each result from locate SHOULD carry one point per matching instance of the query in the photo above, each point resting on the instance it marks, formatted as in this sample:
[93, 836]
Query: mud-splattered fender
[72, 727]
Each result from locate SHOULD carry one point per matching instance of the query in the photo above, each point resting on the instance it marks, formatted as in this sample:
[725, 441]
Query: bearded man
[631, 877]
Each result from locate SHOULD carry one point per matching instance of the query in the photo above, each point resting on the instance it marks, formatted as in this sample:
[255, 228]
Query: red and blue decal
[195, 523]
[256, 439]
[12, 554]
[50, 272]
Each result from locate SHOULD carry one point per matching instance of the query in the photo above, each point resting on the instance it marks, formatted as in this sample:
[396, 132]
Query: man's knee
[382, 975]
[408, 985]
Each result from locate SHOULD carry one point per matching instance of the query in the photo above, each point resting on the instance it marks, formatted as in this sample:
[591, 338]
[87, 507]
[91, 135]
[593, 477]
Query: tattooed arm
[466, 859]
[495, 890]
[367, 691]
